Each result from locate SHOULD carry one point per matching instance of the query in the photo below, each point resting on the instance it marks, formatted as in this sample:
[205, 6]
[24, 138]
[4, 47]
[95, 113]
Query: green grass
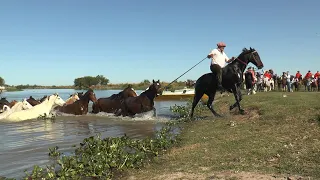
[11, 89]
[278, 136]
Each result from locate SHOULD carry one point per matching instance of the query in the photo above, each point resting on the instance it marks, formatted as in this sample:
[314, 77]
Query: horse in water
[232, 76]
[18, 106]
[42, 109]
[113, 103]
[33, 101]
[3, 101]
[79, 107]
[142, 103]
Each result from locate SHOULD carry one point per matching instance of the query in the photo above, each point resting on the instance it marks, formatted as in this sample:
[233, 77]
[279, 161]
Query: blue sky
[54, 42]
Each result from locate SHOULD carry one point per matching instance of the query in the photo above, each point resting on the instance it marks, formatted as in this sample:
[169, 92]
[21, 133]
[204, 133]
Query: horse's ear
[158, 80]
[250, 49]
[153, 81]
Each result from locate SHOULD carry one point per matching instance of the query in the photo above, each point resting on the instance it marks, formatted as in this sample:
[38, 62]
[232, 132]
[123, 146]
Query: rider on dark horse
[219, 60]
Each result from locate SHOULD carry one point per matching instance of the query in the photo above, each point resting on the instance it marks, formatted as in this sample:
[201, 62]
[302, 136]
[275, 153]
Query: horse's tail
[95, 107]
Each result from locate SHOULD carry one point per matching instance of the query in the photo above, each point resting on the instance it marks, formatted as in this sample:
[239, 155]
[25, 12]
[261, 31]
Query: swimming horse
[80, 106]
[142, 103]
[42, 109]
[232, 76]
[113, 103]
[3, 101]
[17, 107]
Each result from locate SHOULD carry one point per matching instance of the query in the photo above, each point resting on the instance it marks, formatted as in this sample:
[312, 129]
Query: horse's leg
[196, 99]
[238, 97]
[209, 104]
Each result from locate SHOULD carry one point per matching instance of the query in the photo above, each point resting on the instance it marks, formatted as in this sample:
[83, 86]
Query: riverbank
[277, 138]
[136, 86]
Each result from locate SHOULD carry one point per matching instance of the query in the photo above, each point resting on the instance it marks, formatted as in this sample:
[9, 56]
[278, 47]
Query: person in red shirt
[316, 75]
[298, 75]
[267, 75]
[308, 75]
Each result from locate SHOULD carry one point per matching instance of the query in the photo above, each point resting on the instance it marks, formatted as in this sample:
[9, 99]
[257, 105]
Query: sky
[127, 41]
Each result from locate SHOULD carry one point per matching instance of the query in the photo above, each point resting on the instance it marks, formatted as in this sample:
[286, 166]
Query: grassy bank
[136, 86]
[277, 137]
[11, 89]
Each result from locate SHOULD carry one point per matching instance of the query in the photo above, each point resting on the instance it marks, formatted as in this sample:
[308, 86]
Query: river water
[24, 144]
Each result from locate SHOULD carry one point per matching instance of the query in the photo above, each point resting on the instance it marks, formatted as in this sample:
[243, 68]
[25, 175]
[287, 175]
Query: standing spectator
[288, 82]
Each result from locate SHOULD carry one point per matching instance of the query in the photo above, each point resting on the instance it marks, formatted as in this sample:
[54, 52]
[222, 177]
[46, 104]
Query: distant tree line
[2, 81]
[87, 81]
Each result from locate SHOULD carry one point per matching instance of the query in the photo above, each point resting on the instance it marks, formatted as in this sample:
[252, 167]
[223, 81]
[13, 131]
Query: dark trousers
[217, 70]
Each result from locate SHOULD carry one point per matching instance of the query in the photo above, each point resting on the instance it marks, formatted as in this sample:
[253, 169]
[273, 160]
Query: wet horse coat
[80, 107]
[232, 76]
[142, 103]
[113, 103]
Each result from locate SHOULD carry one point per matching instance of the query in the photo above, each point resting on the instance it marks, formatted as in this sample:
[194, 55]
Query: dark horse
[142, 103]
[232, 76]
[35, 102]
[113, 103]
[4, 101]
[80, 107]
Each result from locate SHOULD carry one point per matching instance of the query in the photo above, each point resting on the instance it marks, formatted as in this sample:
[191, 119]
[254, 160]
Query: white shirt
[219, 58]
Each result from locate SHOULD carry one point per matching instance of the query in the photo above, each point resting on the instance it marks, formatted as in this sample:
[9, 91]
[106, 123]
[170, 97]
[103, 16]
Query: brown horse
[142, 103]
[113, 103]
[33, 101]
[80, 107]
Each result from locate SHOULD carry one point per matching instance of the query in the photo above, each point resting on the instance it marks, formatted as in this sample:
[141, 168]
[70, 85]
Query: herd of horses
[125, 103]
[128, 103]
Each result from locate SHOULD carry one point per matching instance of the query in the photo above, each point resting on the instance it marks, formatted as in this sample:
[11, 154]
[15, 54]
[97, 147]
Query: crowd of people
[284, 82]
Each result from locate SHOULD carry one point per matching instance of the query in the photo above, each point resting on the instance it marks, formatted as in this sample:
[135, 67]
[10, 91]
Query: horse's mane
[120, 94]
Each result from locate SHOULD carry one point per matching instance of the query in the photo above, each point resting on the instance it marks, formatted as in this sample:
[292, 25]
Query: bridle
[251, 56]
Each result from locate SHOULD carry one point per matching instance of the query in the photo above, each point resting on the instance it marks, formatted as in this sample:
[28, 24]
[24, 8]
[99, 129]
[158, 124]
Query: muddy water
[24, 144]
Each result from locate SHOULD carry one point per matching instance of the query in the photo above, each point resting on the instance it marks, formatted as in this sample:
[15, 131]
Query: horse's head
[155, 87]
[56, 99]
[5, 108]
[80, 94]
[252, 56]
[91, 95]
[26, 104]
[129, 92]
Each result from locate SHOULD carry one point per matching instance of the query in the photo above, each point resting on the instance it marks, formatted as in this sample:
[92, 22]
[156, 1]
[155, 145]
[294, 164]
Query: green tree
[2, 81]
[146, 81]
[87, 81]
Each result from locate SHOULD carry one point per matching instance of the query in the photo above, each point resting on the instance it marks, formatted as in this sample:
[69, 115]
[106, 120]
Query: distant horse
[42, 109]
[268, 84]
[231, 80]
[142, 103]
[113, 103]
[314, 84]
[307, 84]
[17, 107]
[296, 84]
[80, 107]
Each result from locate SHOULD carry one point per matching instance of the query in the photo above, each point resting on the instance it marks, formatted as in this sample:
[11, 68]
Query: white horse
[268, 84]
[42, 109]
[17, 107]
